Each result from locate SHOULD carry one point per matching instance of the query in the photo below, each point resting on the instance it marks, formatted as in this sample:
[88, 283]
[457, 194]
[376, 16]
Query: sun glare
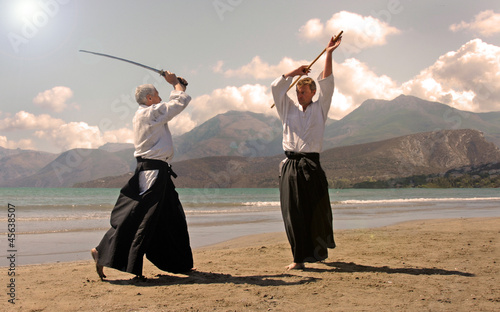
[26, 9]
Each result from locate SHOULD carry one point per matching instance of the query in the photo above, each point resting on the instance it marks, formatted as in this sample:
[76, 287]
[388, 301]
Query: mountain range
[416, 154]
[247, 134]
[375, 120]
[238, 143]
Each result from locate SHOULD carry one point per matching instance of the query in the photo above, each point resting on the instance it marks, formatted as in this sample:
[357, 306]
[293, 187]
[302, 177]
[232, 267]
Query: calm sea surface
[64, 224]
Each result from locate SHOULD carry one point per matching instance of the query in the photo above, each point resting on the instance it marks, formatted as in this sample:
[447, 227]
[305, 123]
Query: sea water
[63, 224]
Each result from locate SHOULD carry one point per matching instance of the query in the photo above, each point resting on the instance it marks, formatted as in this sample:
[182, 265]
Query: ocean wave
[98, 213]
[47, 205]
[414, 200]
[235, 210]
[261, 204]
[46, 216]
[55, 231]
[56, 218]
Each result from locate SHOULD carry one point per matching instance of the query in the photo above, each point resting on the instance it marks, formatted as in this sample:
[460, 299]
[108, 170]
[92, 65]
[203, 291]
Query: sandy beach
[428, 265]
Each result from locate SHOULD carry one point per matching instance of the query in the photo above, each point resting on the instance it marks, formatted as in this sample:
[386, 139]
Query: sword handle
[181, 80]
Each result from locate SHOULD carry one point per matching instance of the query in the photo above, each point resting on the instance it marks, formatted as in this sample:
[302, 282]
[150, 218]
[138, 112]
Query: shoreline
[68, 246]
[439, 264]
[66, 233]
[249, 240]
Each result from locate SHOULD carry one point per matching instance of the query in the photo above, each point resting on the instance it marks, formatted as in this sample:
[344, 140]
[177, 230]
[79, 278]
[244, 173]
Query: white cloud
[181, 123]
[123, 135]
[26, 121]
[355, 82]
[360, 32]
[486, 23]
[255, 98]
[22, 144]
[465, 79]
[59, 133]
[81, 135]
[218, 67]
[73, 135]
[258, 69]
[312, 30]
[54, 99]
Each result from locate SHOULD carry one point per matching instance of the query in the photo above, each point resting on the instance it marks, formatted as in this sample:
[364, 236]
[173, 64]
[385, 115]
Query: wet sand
[425, 265]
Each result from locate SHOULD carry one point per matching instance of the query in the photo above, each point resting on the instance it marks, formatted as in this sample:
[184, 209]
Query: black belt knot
[156, 164]
[170, 171]
[297, 156]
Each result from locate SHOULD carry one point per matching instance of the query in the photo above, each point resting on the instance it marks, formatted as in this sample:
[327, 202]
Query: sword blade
[125, 60]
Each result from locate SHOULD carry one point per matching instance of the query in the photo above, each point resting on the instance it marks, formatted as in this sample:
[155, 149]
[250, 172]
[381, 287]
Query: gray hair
[143, 91]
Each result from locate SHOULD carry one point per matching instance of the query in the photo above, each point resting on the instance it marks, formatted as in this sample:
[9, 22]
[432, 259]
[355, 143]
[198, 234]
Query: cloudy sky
[54, 98]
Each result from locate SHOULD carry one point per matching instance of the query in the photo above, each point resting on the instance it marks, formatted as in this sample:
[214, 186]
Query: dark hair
[307, 82]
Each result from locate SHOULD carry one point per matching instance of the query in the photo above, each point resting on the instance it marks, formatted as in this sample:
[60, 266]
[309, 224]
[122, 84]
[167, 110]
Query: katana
[312, 63]
[159, 71]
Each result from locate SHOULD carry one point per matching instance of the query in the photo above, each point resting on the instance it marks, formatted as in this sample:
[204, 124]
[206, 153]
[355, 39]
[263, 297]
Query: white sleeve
[279, 88]
[178, 101]
[326, 88]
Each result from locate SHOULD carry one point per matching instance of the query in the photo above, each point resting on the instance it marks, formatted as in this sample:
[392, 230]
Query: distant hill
[8, 152]
[106, 182]
[234, 133]
[115, 147]
[15, 164]
[73, 166]
[376, 120]
[473, 176]
[423, 153]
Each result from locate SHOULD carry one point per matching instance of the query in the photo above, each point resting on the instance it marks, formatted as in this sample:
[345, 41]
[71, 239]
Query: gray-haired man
[148, 218]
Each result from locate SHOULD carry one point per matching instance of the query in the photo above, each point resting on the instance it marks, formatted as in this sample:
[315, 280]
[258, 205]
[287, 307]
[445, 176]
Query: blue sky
[55, 98]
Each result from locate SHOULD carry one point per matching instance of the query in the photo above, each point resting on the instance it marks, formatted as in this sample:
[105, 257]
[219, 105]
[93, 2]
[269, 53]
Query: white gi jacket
[303, 130]
[152, 138]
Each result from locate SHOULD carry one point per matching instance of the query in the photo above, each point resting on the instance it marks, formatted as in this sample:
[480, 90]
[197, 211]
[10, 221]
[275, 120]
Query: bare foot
[98, 268]
[295, 266]
[192, 270]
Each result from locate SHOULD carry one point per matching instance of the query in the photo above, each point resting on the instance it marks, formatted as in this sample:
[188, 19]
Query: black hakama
[305, 206]
[151, 224]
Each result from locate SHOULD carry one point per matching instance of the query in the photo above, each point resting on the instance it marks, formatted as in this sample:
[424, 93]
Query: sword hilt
[181, 80]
